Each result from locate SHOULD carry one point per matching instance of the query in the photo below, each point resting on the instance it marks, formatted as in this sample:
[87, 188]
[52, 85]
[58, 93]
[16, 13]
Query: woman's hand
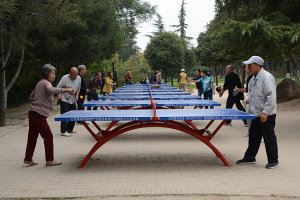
[69, 90]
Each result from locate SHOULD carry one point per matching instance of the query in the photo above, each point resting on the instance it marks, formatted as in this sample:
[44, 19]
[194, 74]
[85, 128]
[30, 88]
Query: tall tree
[165, 51]
[182, 26]
[159, 24]
[131, 13]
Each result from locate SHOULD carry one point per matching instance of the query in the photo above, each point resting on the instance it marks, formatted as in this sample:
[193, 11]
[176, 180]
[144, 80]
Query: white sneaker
[66, 134]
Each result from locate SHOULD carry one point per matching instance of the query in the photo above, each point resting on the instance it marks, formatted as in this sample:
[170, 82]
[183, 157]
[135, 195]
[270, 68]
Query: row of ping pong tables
[141, 106]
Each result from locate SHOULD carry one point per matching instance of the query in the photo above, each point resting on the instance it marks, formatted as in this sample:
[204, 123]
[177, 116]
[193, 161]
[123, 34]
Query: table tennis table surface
[145, 103]
[147, 93]
[147, 115]
[154, 97]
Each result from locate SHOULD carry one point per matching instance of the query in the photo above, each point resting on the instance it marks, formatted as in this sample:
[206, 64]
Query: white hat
[254, 59]
[182, 70]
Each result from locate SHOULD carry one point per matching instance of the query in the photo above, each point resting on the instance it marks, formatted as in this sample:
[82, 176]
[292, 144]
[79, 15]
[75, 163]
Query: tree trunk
[3, 98]
[16, 75]
[172, 77]
[4, 90]
[288, 70]
[296, 65]
[216, 75]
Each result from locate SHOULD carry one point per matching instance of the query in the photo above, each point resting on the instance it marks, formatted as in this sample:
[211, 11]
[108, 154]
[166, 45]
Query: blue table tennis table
[146, 90]
[178, 119]
[154, 97]
[147, 104]
[147, 93]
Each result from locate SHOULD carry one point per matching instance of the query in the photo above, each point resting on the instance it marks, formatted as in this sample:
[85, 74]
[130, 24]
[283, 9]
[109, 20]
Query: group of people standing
[261, 100]
[70, 90]
[75, 79]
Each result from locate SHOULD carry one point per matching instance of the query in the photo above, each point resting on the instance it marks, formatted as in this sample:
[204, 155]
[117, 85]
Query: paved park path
[162, 163]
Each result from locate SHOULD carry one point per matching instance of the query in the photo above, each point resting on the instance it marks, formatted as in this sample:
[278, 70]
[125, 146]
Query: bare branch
[13, 80]
[5, 59]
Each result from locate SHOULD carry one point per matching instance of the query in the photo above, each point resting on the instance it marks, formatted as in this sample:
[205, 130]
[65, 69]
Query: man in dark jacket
[83, 89]
[233, 81]
[93, 85]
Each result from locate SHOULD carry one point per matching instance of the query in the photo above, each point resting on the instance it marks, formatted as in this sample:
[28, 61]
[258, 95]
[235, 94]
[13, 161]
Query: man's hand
[245, 102]
[263, 117]
[221, 93]
[76, 98]
[87, 90]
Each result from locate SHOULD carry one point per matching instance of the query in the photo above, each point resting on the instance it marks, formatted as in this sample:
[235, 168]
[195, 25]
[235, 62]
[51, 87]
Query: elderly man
[232, 81]
[261, 98]
[67, 103]
[83, 89]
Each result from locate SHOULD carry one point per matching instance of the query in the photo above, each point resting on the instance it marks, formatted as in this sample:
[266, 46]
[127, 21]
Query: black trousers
[231, 100]
[266, 130]
[79, 103]
[66, 107]
[90, 97]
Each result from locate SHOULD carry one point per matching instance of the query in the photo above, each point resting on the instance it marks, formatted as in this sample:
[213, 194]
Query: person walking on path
[261, 98]
[41, 103]
[233, 81]
[208, 87]
[182, 80]
[109, 83]
[67, 103]
[93, 85]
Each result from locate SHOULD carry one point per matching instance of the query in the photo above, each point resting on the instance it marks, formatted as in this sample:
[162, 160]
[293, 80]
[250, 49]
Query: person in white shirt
[261, 98]
[67, 101]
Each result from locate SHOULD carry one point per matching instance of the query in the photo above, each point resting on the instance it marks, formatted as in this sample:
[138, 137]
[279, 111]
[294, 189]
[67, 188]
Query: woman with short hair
[41, 103]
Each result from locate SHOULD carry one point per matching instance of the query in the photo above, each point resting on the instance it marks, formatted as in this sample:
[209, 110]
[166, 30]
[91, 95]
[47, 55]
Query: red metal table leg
[166, 124]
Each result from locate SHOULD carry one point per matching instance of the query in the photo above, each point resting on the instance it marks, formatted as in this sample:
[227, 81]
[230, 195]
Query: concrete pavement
[152, 161]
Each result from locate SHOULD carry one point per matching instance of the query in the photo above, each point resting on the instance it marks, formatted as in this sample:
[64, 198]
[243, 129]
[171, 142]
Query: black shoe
[272, 165]
[245, 161]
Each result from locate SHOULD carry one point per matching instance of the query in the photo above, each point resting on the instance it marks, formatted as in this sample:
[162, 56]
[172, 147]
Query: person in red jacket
[128, 78]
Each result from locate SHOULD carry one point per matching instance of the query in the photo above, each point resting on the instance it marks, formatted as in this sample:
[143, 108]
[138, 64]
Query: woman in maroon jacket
[41, 104]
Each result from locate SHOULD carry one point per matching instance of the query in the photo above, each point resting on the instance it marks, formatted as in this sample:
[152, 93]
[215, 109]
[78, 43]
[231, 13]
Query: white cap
[254, 59]
[182, 70]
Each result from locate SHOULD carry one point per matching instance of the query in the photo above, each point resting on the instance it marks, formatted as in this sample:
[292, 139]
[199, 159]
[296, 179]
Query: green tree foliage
[63, 33]
[128, 49]
[131, 13]
[138, 66]
[165, 51]
[182, 26]
[6, 8]
[159, 24]
[269, 28]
